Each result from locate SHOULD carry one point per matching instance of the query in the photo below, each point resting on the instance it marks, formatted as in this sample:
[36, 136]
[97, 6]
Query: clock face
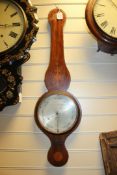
[105, 15]
[57, 113]
[13, 25]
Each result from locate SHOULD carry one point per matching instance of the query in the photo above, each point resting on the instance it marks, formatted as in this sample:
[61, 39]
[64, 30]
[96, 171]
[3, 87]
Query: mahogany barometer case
[57, 112]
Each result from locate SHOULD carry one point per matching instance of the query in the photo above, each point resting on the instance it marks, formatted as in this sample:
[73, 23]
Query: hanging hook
[57, 7]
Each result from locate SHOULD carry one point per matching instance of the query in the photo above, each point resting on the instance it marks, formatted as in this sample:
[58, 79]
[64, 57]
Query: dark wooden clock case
[106, 43]
[11, 60]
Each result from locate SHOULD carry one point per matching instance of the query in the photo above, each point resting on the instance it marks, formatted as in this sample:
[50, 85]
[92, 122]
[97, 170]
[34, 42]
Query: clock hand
[114, 4]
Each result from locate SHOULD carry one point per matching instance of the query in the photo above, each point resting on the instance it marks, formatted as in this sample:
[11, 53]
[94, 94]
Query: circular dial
[13, 25]
[105, 13]
[57, 113]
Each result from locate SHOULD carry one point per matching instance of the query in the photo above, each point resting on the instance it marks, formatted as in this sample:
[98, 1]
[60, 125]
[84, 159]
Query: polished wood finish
[58, 154]
[57, 75]
[57, 81]
[106, 43]
[108, 143]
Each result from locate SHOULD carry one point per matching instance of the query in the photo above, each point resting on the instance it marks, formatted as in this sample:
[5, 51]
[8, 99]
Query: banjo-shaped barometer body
[57, 112]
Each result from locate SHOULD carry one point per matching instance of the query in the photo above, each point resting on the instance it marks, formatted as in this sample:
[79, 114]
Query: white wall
[23, 148]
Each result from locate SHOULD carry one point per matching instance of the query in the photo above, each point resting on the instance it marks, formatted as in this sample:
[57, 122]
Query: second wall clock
[101, 18]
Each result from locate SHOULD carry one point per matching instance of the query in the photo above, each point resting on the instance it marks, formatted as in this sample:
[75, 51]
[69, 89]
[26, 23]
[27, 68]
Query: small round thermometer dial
[13, 25]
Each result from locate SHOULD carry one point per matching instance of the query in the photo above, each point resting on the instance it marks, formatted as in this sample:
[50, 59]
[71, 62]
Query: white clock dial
[57, 113]
[12, 24]
[105, 15]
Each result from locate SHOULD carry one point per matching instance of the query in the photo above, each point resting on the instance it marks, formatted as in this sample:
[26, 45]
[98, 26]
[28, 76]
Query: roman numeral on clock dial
[104, 24]
[113, 31]
[5, 44]
[16, 24]
[13, 34]
[6, 7]
[12, 15]
[100, 15]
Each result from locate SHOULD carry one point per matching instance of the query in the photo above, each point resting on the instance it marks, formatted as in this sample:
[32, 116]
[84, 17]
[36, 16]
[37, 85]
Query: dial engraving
[13, 24]
[57, 113]
[105, 13]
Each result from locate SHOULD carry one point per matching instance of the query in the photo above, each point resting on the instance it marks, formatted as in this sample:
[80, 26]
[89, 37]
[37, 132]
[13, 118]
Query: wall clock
[18, 29]
[57, 112]
[101, 19]
[10, 81]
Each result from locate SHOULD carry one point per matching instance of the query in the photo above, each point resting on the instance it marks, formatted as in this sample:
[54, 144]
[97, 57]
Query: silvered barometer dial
[13, 25]
[57, 112]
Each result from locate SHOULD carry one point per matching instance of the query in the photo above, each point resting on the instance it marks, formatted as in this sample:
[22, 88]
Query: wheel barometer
[57, 112]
